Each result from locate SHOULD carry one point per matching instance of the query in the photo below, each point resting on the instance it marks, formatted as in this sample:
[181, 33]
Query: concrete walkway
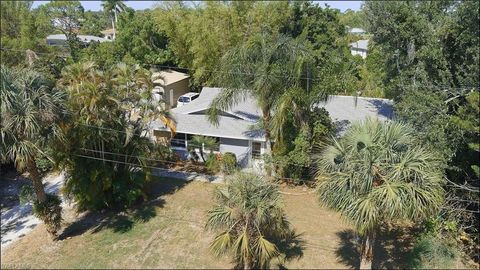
[18, 220]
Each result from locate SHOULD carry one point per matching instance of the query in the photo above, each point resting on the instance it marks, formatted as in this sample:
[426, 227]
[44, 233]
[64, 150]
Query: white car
[187, 98]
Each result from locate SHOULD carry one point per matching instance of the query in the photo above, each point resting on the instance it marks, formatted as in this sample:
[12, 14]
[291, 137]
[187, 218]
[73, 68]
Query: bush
[27, 194]
[43, 164]
[433, 252]
[229, 163]
[213, 163]
[50, 212]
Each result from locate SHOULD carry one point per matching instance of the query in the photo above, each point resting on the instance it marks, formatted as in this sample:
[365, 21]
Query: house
[108, 34]
[236, 131]
[169, 85]
[61, 39]
[356, 31]
[359, 48]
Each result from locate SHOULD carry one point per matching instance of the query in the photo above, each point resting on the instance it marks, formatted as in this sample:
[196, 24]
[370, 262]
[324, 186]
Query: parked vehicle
[187, 98]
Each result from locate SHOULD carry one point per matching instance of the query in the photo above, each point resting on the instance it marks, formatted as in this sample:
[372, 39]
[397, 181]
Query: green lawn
[169, 233]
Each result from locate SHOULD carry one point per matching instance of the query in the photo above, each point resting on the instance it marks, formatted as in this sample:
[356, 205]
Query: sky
[138, 5]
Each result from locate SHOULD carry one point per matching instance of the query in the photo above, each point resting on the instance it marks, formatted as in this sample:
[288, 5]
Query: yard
[168, 232]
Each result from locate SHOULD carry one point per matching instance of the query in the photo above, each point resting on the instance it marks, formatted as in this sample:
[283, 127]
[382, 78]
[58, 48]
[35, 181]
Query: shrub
[229, 163]
[43, 164]
[213, 163]
[27, 194]
[50, 212]
[433, 252]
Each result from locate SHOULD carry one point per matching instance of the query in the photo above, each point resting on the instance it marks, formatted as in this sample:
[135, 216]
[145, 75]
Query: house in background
[169, 85]
[356, 31]
[236, 131]
[359, 48]
[61, 39]
[108, 34]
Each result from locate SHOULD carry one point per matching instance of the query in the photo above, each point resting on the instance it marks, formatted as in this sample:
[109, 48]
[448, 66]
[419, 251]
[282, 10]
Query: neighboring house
[108, 34]
[356, 31]
[169, 86]
[236, 131]
[359, 48]
[61, 39]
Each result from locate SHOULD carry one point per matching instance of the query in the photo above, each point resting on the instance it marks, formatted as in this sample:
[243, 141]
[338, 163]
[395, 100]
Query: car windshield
[184, 99]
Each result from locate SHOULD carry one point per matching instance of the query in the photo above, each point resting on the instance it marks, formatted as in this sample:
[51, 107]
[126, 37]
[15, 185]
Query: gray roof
[237, 123]
[361, 44]
[357, 30]
[83, 38]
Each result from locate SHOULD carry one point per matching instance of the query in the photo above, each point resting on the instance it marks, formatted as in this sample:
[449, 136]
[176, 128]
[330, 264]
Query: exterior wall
[362, 53]
[174, 90]
[240, 148]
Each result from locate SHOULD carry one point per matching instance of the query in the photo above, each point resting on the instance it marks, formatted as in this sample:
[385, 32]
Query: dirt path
[18, 220]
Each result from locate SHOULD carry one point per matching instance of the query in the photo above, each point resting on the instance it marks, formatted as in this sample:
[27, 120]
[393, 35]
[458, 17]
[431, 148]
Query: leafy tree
[251, 220]
[94, 23]
[66, 17]
[106, 138]
[353, 18]
[378, 173]
[30, 112]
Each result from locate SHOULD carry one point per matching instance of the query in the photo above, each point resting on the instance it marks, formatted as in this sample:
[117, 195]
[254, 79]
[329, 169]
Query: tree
[378, 173]
[203, 142]
[110, 112]
[113, 7]
[266, 67]
[66, 17]
[30, 112]
[249, 215]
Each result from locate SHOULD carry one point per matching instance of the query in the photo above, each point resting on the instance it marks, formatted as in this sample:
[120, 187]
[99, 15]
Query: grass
[168, 232]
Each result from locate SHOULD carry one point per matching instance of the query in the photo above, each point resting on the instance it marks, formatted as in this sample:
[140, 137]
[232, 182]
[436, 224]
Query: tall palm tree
[203, 142]
[378, 173]
[113, 7]
[272, 69]
[30, 111]
[250, 217]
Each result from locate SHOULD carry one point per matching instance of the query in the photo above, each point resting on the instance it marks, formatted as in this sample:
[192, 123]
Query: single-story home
[169, 85]
[236, 131]
[356, 31]
[61, 39]
[359, 48]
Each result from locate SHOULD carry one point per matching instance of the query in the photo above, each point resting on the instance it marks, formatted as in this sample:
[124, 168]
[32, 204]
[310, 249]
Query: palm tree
[113, 7]
[272, 69]
[378, 173]
[203, 142]
[30, 112]
[249, 215]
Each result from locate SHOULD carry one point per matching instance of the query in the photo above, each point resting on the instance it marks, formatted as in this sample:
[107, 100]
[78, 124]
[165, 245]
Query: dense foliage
[432, 53]
[106, 139]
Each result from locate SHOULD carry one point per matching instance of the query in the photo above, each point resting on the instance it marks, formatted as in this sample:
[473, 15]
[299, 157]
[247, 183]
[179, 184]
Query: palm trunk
[36, 180]
[367, 252]
[113, 27]
[268, 142]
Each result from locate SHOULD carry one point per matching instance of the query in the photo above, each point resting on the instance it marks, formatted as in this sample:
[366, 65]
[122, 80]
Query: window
[256, 149]
[178, 140]
[184, 99]
[195, 97]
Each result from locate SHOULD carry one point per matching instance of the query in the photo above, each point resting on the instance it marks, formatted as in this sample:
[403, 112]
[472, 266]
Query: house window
[256, 149]
[178, 140]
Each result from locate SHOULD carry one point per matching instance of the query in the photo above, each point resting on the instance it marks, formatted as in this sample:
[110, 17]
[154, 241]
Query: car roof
[189, 94]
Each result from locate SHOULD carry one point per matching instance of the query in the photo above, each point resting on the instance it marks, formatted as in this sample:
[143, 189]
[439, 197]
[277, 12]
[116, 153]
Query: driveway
[16, 219]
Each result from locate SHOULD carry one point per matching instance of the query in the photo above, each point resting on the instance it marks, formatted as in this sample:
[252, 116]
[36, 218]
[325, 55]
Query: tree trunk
[37, 180]
[268, 142]
[367, 252]
[113, 27]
